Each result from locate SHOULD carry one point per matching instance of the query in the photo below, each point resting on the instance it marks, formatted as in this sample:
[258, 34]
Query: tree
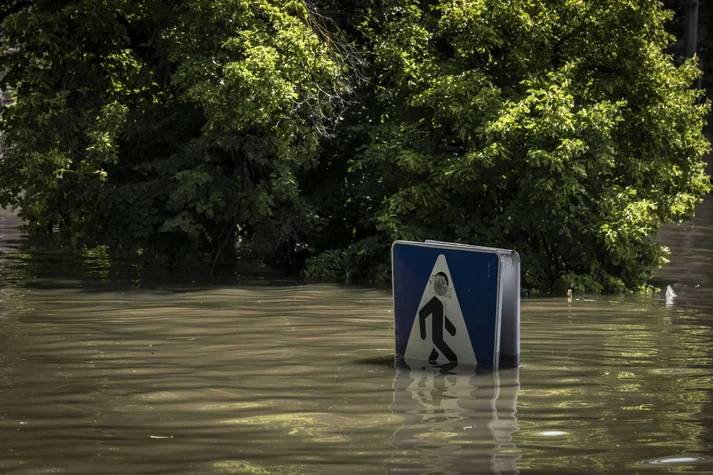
[164, 128]
[184, 129]
[560, 129]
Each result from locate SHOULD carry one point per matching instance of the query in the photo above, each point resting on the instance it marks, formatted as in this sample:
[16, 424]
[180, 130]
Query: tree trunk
[690, 25]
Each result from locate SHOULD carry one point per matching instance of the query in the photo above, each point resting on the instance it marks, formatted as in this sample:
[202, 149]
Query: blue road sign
[449, 303]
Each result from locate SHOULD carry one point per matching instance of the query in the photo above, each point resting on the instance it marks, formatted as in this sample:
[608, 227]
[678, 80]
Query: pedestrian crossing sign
[456, 304]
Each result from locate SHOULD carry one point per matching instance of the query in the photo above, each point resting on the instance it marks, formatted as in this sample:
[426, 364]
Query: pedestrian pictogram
[456, 304]
[441, 335]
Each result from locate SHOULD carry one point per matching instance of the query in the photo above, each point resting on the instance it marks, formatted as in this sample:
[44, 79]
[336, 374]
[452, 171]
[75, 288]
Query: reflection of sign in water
[471, 415]
[441, 335]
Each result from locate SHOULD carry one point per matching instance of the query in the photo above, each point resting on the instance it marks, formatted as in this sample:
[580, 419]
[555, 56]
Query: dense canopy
[312, 134]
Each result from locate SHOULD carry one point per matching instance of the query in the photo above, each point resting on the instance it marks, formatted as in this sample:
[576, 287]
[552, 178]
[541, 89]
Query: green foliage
[340, 264]
[560, 129]
[192, 129]
[164, 128]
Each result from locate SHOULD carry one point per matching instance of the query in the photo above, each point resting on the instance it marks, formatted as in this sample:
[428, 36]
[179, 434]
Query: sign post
[456, 304]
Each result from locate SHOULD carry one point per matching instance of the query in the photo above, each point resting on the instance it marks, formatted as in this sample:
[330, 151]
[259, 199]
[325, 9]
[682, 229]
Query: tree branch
[13, 8]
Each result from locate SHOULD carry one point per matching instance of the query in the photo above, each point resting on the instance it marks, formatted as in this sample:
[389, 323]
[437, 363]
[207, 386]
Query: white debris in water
[670, 295]
[676, 460]
[679, 460]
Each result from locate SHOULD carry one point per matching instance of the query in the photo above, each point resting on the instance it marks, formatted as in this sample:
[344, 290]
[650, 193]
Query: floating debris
[680, 459]
[670, 295]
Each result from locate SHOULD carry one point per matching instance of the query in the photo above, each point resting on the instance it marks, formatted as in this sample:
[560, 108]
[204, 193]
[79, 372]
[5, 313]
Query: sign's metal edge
[397, 357]
[464, 247]
[498, 315]
[496, 250]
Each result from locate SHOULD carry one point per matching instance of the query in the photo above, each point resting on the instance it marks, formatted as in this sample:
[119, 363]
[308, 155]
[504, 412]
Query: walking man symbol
[438, 330]
[439, 321]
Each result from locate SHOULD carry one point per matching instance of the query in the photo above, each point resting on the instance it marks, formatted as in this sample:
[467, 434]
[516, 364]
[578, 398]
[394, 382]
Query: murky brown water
[99, 373]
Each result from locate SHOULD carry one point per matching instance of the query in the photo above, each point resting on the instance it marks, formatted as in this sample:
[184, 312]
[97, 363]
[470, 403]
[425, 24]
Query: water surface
[102, 373]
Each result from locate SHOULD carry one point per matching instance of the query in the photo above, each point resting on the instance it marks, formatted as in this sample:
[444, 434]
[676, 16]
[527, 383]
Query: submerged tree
[560, 129]
[164, 127]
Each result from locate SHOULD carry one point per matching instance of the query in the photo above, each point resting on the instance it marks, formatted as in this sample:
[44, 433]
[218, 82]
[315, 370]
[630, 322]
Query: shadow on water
[385, 360]
[43, 264]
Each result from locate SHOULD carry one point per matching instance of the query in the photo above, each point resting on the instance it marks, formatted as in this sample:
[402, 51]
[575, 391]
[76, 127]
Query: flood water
[100, 373]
